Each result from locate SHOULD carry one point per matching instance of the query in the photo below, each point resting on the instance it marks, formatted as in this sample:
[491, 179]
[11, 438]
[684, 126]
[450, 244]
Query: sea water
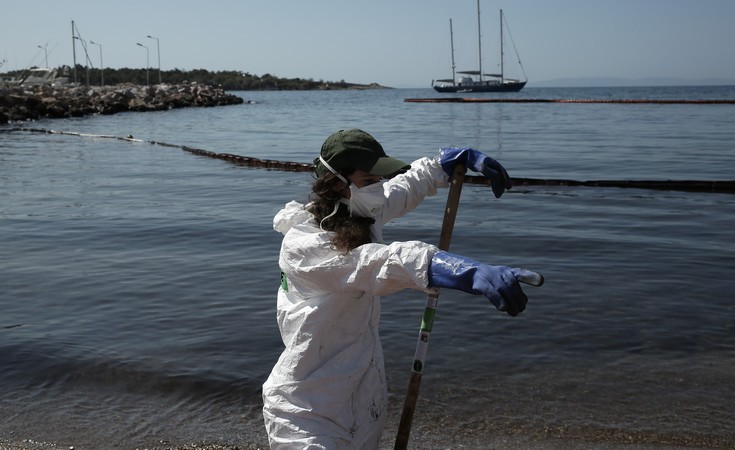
[138, 282]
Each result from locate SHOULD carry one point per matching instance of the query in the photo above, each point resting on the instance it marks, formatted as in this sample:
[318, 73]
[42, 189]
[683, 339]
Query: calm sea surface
[138, 282]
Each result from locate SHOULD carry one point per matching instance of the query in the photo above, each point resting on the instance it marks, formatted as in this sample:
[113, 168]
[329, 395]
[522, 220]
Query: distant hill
[630, 82]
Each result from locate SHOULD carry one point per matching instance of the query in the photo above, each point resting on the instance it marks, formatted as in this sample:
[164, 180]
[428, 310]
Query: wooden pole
[422, 346]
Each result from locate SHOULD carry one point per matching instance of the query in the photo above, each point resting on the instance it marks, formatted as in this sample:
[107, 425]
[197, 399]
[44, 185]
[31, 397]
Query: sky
[396, 43]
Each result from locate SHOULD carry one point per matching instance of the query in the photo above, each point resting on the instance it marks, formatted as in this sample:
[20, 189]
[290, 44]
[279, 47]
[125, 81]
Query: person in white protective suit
[328, 388]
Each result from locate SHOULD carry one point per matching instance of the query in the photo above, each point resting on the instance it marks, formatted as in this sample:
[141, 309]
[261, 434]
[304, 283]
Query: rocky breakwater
[20, 103]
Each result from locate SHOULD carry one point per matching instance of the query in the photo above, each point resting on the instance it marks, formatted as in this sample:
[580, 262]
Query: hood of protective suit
[292, 214]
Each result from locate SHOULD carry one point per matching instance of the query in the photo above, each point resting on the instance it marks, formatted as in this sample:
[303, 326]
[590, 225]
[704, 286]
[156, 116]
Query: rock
[18, 103]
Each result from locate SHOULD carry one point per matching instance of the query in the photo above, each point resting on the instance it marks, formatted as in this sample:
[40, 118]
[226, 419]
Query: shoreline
[434, 428]
[426, 436]
[24, 103]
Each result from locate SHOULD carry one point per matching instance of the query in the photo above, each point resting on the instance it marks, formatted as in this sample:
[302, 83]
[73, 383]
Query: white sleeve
[405, 192]
[376, 269]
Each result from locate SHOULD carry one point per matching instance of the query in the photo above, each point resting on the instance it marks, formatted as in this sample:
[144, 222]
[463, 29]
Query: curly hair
[349, 232]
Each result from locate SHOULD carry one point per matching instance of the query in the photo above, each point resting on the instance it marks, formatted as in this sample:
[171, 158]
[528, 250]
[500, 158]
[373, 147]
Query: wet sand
[422, 439]
[574, 409]
[433, 429]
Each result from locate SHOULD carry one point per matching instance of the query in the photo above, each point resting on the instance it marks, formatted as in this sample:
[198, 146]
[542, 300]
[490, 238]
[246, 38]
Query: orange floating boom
[563, 100]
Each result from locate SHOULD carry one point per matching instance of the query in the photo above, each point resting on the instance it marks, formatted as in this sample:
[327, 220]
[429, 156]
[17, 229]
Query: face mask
[364, 202]
[369, 201]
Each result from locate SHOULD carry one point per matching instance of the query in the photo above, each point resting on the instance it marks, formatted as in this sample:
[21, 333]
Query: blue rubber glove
[498, 283]
[479, 162]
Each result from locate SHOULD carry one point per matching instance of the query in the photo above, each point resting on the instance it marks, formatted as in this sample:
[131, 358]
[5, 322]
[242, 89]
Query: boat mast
[501, 47]
[74, 49]
[479, 40]
[451, 41]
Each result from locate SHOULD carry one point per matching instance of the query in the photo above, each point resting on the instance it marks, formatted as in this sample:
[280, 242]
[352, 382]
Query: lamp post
[147, 64]
[158, 53]
[45, 51]
[102, 66]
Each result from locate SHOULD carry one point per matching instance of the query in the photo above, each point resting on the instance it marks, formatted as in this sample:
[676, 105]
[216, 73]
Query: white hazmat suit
[328, 388]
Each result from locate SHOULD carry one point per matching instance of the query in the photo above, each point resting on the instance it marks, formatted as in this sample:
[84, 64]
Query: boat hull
[484, 87]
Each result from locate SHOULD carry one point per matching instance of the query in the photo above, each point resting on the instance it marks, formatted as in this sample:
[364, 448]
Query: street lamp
[45, 52]
[102, 66]
[158, 52]
[147, 64]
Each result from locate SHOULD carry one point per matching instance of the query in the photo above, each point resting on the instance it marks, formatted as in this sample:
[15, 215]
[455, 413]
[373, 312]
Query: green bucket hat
[357, 149]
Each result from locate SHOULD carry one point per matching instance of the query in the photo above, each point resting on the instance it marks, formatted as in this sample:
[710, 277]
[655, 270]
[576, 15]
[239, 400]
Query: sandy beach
[433, 429]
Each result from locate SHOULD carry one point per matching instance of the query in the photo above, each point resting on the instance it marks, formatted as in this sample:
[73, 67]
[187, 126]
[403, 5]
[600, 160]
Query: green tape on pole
[284, 282]
[427, 322]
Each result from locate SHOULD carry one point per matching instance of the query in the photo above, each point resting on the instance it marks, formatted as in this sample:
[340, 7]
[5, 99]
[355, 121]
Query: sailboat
[472, 80]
